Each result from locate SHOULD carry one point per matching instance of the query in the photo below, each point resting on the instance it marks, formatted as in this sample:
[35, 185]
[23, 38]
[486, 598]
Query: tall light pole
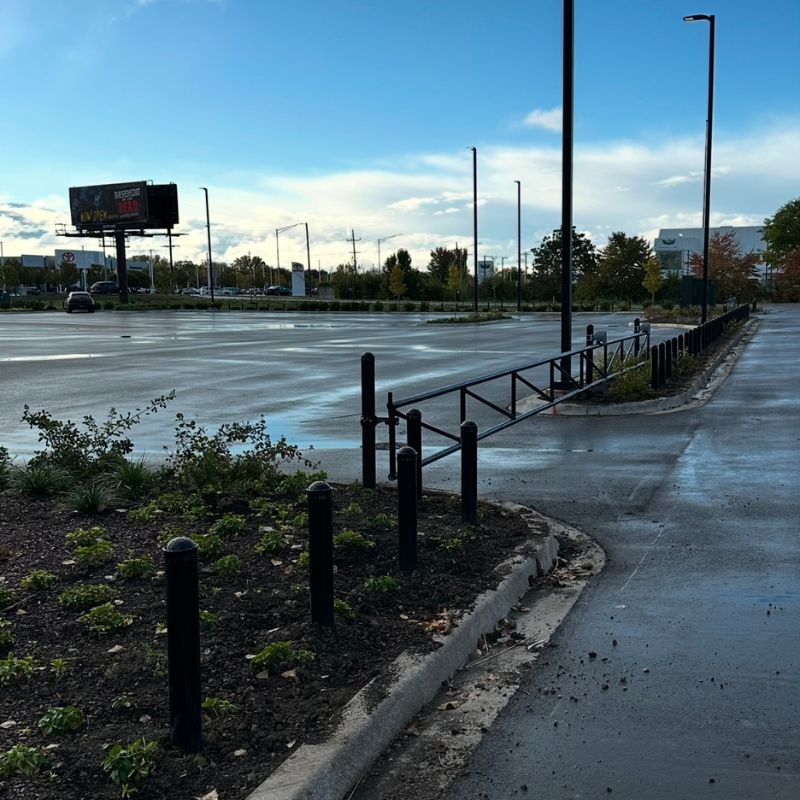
[210, 262]
[519, 245]
[475, 221]
[3, 264]
[279, 231]
[707, 182]
[567, 110]
[384, 239]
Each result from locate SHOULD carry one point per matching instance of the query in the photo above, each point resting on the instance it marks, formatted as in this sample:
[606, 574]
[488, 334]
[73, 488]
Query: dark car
[281, 290]
[104, 287]
[79, 301]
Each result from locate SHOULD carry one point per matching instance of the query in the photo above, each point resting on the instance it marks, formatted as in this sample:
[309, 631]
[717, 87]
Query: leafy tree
[621, 267]
[547, 263]
[442, 258]
[652, 277]
[782, 232]
[397, 285]
[788, 279]
[411, 277]
[734, 272]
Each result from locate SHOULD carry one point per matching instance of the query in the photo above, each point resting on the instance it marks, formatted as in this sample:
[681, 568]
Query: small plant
[38, 480]
[353, 508]
[5, 467]
[383, 522]
[128, 765]
[106, 619]
[165, 535]
[381, 585]
[14, 669]
[59, 720]
[85, 595]
[228, 565]
[209, 545]
[271, 542]
[6, 597]
[38, 579]
[343, 609]
[228, 525]
[81, 537]
[217, 707]
[208, 620]
[350, 541]
[132, 479]
[60, 667]
[92, 556]
[304, 559]
[146, 512]
[91, 499]
[21, 758]
[281, 655]
[6, 635]
[122, 701]
[142, 567]
[301, 520]
[157, 661]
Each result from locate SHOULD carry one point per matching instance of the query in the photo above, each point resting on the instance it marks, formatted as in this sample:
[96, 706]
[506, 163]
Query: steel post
[469, 472]
[320, 551]
[368, 420]
[407, 460]
[414, 437]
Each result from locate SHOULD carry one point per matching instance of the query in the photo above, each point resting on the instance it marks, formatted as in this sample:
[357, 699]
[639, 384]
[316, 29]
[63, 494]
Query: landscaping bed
[254, 600]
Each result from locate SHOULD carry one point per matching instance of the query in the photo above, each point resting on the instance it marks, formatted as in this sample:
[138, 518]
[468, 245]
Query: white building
[674, 247]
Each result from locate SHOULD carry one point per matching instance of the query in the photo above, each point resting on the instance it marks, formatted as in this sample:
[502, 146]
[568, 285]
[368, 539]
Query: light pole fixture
[567, 111]
[384, 239]
[519, 245]
[281, 230]
[475, 222]
[707, 181]
[210, 262]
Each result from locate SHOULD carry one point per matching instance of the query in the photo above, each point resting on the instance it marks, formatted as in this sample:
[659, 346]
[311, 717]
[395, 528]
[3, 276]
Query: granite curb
[698, 391]
[326, 771]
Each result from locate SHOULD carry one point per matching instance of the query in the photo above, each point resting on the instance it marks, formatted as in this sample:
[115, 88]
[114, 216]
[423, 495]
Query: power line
[354, 240]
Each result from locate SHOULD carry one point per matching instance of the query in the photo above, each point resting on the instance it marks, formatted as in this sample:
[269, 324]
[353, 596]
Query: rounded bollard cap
[180, 544]
[319, 487]
[406, 452]
[469, 424]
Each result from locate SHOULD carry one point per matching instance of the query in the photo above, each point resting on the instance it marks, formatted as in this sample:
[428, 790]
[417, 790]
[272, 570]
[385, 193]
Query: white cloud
[550, 120]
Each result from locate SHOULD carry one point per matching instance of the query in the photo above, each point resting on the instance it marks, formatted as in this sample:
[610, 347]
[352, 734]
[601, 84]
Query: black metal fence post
[320, 551]
[469, 472]
[414, 437]
[667, 361]
[368, 420]
[637, 325]
[589, 354]
[183, 643]
[662, 364]
[654, 367]
[407, 508]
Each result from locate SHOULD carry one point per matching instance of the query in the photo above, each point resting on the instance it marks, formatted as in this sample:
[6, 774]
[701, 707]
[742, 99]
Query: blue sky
[357, 114]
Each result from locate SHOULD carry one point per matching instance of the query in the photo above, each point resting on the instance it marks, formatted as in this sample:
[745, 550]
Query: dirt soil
[119, 679]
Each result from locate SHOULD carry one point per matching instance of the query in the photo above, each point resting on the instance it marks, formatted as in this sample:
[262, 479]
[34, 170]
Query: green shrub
[209, 545]
[59, 720]
[38, 579]
[85, 595]
[132, 479]
[39, 480]
[21, 758]
[217, 707]
[281, 656]
[350, 541]
[6, 597]
[229, 524]
[228, 565]
[60, 667]
[14, 669]
[105, 619]
[93, 556]
[145, 513]
[85, 536]
[381, 585]
[92, 498]
[5, 467]
[208, 620]
[271, 542]
[343, 609]
[141, 567]
[128, 765]
[633, 384]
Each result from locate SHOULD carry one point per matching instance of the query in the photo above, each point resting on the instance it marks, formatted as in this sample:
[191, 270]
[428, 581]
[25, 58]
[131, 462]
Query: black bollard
[662, 363]
[469, 472]
[589, 353]
[183, 643]
[654, 367]
[407, 508]
[368, 420]
[414, 436]
[320, 551]
[637, 327]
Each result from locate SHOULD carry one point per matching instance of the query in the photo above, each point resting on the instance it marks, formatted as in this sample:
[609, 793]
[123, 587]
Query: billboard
[124, 205]
[298, 279]
[82, 259]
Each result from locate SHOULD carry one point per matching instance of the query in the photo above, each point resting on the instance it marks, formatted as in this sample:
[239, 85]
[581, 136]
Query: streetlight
[210, 263]
[519, 245]
[384, 239]
[707, 182]
[277, 245]
[475, 221]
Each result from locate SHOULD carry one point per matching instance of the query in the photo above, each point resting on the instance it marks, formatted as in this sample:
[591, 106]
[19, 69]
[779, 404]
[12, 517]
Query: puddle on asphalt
[60, 357]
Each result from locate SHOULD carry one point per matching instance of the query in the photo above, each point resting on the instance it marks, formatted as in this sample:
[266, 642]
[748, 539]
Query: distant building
[674, 247]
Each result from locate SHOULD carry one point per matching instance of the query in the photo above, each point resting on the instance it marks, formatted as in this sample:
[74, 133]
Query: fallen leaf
[145, 718]
[212, 795]
[117, 648]
[450, 705]
[291, 744]
[69, 562]
[239, 753]
[161, 630]
[290, 674]
[276, 562]
[9, 723]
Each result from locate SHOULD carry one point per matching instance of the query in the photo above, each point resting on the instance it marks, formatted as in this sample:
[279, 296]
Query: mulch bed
[119, 679]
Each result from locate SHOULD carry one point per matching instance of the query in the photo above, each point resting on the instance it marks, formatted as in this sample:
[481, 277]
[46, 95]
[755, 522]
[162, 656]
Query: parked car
[104, 287]
[279, 290]
[77, 301]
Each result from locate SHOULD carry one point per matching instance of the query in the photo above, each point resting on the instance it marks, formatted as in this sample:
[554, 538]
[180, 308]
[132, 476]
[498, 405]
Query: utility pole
[354, 240]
